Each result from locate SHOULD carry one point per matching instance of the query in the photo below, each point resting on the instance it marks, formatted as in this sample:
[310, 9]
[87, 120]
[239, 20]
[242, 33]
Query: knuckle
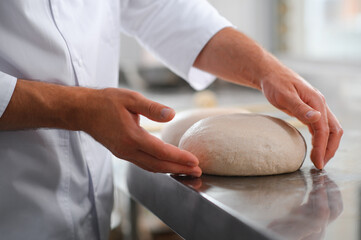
[297, 109]
[134, 93]
[152, 107]
[319, 96]
[339, 131]
[280, 99]
[134, 135]
[322, 98]
[317, 91]
[129, 139]
[324, 131]
[127, 147]
[134, 96]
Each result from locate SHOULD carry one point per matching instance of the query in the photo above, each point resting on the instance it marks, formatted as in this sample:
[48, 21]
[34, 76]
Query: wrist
[43, 105]
[80, 108]
[270, 67]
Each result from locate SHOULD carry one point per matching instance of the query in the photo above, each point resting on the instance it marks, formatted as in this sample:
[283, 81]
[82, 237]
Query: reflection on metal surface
[285, 204]
[323, 206]
[258, 198]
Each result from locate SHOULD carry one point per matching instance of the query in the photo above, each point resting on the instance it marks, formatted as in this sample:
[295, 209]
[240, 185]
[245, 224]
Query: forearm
[43, 105]
[234, 57]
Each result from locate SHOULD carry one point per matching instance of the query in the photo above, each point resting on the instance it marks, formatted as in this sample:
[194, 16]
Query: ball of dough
[173, 131]
[245, 145]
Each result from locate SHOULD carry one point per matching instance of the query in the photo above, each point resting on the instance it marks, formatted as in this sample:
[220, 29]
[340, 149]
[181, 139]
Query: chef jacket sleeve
[175, 31]
[7, 86]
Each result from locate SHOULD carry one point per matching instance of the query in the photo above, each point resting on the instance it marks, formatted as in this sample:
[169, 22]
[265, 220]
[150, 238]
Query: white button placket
[75, 59]
[65, 182]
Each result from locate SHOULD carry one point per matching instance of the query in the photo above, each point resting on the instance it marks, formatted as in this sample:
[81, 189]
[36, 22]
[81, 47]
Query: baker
[62, 115]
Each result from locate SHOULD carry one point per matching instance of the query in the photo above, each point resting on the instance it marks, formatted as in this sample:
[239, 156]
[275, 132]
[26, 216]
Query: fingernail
[310, 114]
[321, 166]
[165, 112]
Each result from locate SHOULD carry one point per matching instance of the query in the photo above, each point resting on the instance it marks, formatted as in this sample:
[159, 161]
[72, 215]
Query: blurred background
[319, 39]
[299, 32]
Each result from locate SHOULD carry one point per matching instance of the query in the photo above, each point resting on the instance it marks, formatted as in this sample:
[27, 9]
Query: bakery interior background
[319, 39]
[301, 33]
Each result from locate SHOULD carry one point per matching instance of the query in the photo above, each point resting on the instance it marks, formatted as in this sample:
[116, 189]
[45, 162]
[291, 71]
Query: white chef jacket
[57, 184]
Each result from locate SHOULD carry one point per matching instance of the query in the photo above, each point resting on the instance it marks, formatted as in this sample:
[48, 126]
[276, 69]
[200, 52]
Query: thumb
[152, 110]
[304, 112]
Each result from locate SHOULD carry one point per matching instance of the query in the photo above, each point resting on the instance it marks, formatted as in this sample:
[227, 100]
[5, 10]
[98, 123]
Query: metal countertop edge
[188, 206]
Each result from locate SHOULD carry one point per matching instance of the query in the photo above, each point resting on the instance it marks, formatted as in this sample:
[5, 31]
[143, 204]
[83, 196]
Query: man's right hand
[114, 122]
[111, 116]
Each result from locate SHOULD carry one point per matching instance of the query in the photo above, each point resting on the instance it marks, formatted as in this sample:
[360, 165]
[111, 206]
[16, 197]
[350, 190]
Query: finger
[320, 130]
[319, 143]
[335, 135]
[302, 111]
[314, 115]
[309, 106]
[152, 110]
[150, 163]
[321, 133]
[160, 150]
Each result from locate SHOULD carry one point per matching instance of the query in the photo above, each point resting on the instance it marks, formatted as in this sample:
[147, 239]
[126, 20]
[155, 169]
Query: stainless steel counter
[307, 204]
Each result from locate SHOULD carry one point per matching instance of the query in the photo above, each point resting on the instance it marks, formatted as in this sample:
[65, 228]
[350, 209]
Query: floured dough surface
[245, 145]
[173, 131]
